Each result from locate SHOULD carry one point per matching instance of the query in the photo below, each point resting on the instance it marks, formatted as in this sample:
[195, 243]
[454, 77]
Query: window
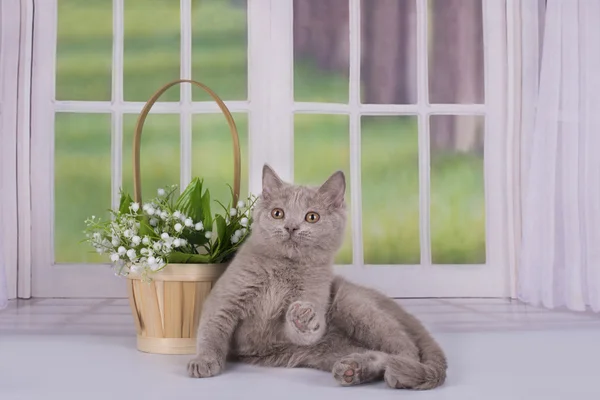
[395, 93]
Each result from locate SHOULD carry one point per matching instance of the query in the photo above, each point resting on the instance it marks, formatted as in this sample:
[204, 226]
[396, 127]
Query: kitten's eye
[312, 217]
[277, 213]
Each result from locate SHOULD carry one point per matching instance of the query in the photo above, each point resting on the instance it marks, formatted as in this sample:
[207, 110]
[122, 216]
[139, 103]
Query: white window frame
[492, 279]
[16, 27]
[271, 110]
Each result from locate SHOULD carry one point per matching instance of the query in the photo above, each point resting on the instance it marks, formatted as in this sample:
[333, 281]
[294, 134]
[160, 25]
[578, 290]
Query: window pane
[388, 46]
[457, 190]
[390, 190]
[81, 182]
[84, 50]
[159, 153]
[321, 147]
[220, 47]
[456, 51]
[212, 155]
[151, 48]
[321, 50]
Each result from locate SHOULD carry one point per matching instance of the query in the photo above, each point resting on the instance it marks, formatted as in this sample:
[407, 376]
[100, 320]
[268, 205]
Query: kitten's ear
[270, 181]
[333, 189]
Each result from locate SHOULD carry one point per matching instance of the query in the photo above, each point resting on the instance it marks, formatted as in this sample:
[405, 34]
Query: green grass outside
[389, 147]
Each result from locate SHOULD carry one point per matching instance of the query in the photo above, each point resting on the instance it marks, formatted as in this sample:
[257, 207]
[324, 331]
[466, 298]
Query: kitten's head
[298, 220]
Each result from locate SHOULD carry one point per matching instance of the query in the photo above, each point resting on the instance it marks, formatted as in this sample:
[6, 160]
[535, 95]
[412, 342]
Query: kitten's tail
[407, 373]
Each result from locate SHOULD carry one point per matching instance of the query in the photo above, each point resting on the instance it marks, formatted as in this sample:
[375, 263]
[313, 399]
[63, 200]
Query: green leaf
[190, 201]
[196, 238]
[145, 228]
[182, 258]
[124, 203]
[222, 237]
[225, 256]
[206, 213]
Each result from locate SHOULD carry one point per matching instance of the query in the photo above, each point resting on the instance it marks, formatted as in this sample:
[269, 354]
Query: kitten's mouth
[291, 239]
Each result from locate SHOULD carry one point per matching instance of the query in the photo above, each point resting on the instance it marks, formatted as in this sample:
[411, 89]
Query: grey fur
[280, 304]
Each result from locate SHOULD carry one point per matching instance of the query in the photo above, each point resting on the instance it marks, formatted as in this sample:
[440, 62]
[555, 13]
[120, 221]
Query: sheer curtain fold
[3, 286]
[560, 252]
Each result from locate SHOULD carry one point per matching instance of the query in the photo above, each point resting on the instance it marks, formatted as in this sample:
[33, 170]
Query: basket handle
[137, 184]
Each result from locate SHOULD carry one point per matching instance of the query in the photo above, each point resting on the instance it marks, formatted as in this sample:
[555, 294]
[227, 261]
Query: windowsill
[59, 347]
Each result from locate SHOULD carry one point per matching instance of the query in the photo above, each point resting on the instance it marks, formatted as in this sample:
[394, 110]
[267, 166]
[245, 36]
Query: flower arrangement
[144, 238]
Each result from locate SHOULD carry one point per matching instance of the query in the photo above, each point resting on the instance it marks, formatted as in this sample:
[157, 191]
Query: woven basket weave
[167, 310]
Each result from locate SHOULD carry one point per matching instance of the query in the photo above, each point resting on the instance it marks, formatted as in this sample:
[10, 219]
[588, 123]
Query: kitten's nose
[291, 228]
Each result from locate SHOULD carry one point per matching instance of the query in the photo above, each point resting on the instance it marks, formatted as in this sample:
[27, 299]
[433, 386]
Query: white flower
[244, 222]
[157, 246]
[131, 254]
[227, 221]
[122, 250]
[199, 226]
[158, 264]
[208, 235]
[136, 240]
[144, 252]
[176, 214]
[237, 233]
[157, 211]
[161, 192]
[189, 222]
[235, 239]
[241, 204]
[99, 250]
[176, 243]
[167, 246]
[134, 207]
[247, 213]
[164, 236]
[153, 221]
[164, 215]
[155, 267]
[146, 240]
[115, 242]
[114, 257]
[150, 211]
[233, 212]
[127, 233]
[244, 230]
[178, 227]
[151, 260]
[146, 207]
[183, 241]
[134, 269]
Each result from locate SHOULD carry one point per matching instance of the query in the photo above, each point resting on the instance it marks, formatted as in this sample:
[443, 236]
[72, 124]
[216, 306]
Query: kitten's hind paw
[359, 368]
[303, 317]
[347, 372]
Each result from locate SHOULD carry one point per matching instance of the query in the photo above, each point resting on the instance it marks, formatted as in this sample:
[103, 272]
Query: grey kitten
[280, 304]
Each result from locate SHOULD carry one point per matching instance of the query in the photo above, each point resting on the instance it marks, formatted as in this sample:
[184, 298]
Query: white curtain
[11, 58]
[3, 287]
[560, 131]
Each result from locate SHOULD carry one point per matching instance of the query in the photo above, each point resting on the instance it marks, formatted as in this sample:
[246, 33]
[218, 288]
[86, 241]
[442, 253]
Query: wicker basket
[167, 310]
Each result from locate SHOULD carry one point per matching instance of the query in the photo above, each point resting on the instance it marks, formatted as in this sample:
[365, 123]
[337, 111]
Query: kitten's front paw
[205, 366]
[302, 316]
